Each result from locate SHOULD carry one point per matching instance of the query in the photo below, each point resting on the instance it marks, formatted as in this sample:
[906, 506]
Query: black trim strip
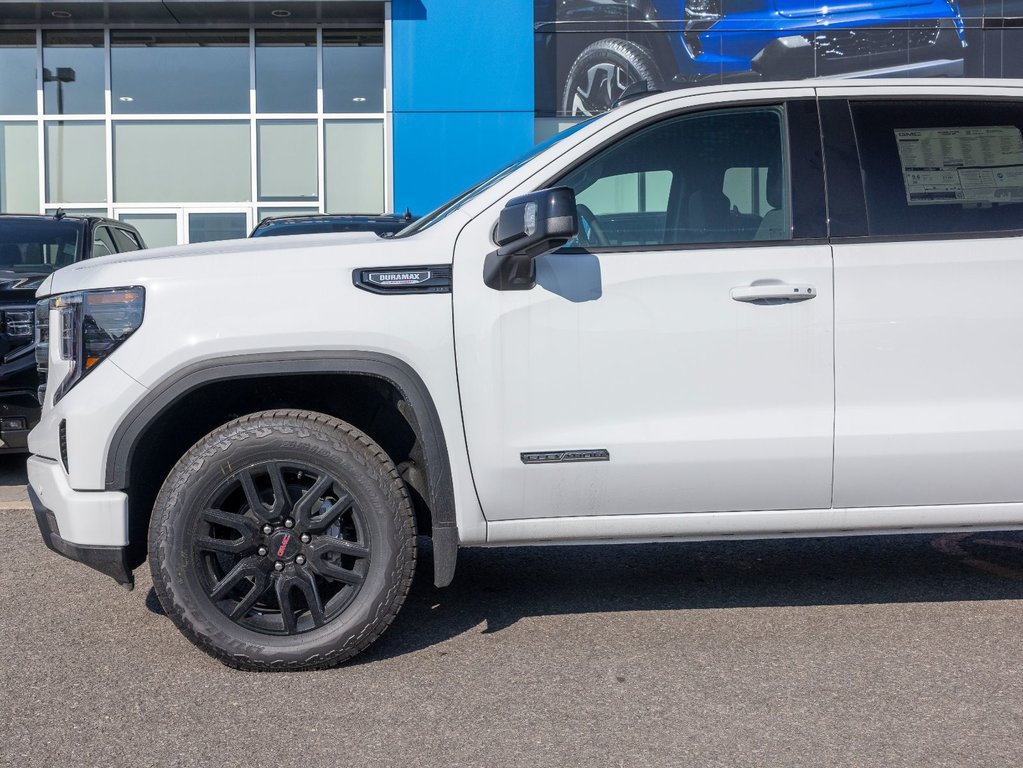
[923, 237]
[612, 249]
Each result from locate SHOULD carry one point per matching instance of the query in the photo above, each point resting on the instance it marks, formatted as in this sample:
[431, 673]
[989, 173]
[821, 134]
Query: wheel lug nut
[262, 551]
[268, 529]
[278, 566]
[289, 523]
[306, 538]
[300, 559]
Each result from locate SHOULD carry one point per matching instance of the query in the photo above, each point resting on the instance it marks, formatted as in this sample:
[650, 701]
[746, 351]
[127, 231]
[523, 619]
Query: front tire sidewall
[385, 517]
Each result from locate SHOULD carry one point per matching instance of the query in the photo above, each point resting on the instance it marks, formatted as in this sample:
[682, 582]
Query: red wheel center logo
[284, 545]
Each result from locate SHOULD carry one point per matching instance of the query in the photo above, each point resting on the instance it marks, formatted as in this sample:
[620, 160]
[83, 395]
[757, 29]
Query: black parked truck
[31, 247]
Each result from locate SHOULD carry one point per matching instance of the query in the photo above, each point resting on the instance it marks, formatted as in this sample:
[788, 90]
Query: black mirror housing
[530, 226]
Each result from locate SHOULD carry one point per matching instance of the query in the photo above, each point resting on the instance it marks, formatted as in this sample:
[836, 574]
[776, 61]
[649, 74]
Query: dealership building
[194, 119]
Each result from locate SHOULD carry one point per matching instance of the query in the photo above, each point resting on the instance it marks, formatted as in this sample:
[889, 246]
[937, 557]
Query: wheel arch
[128, 444]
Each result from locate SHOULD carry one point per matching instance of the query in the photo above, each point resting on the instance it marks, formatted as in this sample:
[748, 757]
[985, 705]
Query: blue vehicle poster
[588, 51]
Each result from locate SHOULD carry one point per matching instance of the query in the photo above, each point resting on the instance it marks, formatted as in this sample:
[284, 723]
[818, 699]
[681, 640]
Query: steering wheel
[590, 231]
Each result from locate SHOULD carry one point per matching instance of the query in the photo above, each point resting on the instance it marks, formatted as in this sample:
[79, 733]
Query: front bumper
[23, 406]
[88, 526]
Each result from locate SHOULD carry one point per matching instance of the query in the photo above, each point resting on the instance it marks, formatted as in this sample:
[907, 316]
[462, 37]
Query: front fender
[425, 422]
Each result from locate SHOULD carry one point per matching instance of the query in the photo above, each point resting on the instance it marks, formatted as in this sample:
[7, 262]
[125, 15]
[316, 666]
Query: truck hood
[265, 256]
[222, 247]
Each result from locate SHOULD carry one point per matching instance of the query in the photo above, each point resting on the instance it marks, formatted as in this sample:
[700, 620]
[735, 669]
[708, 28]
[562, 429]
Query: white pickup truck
[729, 312]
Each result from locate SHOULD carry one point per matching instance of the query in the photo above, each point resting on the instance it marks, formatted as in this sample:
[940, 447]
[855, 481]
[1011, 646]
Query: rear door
[926, 202]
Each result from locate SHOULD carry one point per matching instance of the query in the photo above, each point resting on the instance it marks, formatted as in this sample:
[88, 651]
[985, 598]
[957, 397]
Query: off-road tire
[370, 477]
[626, 57]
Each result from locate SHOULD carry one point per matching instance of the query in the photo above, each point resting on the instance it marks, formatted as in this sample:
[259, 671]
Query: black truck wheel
[602, 72]
[283, 540]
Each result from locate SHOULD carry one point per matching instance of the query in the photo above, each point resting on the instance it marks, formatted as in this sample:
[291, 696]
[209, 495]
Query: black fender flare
[425, 422]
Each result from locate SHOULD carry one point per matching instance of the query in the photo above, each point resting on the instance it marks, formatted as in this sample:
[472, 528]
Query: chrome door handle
[773, 293]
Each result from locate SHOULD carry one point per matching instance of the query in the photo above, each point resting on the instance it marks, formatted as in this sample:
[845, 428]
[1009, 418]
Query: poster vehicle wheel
[602, 72]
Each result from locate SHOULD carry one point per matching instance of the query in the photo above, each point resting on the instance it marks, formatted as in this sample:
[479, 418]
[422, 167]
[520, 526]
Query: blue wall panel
[462, 94]
[439, 154]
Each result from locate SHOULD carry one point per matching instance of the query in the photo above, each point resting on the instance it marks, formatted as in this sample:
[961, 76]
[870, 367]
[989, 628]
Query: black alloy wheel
[283, 540]
[281, 547]
[602, 72]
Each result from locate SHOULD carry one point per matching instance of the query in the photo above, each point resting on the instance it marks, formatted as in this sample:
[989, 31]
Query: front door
[678, 356]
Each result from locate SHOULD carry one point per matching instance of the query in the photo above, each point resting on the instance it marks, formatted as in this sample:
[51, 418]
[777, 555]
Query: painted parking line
[964, 546]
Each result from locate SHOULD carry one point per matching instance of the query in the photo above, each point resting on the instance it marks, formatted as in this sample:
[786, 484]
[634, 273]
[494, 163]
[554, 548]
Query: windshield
[38, 245]
[451, 205]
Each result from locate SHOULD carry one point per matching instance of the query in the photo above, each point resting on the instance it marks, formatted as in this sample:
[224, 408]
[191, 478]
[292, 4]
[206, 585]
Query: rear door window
[939, 167]
[125, 240]
[102, 242]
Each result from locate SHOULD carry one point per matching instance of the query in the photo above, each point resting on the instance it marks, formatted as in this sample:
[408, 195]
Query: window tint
[944, 167]
[716, 177]
[102, 242]
[125, 240]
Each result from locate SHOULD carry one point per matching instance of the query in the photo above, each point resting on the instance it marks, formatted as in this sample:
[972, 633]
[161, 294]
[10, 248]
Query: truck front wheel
[283, 540]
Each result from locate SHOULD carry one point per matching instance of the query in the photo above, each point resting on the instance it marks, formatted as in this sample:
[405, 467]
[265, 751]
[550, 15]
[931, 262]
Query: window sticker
[961, 165]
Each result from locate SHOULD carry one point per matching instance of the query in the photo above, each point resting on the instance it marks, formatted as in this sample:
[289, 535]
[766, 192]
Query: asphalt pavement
[899, 651]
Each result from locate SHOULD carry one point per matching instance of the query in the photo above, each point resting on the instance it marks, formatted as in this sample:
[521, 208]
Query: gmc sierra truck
[779, 310]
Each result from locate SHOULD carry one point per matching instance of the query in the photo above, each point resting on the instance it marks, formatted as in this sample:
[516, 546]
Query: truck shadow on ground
[497, 587]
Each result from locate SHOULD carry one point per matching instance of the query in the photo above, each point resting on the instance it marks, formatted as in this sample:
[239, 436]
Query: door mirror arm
[530, 226]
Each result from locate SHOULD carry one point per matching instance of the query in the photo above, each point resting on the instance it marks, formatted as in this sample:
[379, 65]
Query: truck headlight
[91, 325]
[18, 322]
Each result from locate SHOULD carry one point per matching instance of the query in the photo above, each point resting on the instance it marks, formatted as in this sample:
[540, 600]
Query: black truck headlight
[18, 322]
[91, 325]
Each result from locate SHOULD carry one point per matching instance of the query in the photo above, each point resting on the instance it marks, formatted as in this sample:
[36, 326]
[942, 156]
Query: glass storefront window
[264, 213]
[180, 72]
[19, 167]
[287, 160]
[157, 229]
[17, 73]
[76, 162]
[183, 161]
[73, 79]
[176, 136]
[286, 71]
[354, 166]
[206, 227]
[78, 211]
[353, 71]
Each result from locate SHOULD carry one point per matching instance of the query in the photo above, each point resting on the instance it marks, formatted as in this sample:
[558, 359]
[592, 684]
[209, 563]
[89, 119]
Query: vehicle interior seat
[698, 214]
[774, 225]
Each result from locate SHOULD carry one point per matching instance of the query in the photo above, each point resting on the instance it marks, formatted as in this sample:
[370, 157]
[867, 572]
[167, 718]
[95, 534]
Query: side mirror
[530, 226]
